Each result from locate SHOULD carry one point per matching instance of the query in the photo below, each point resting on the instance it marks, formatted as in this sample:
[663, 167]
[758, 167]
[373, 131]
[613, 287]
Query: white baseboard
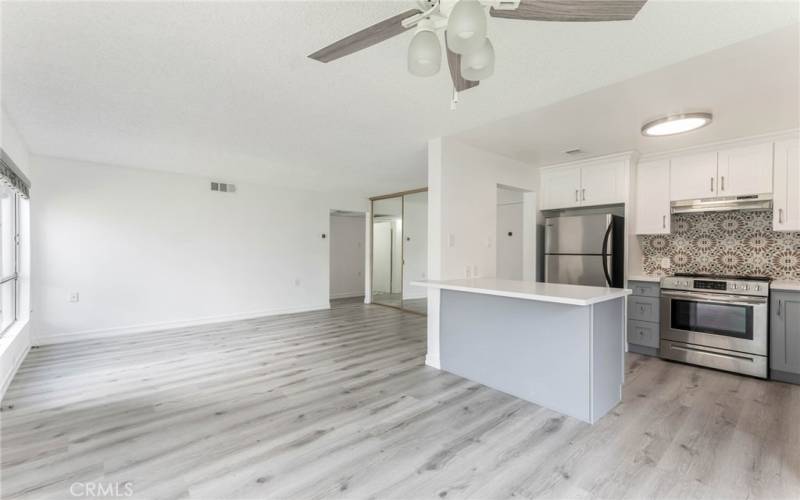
[14, 369]
[347, 295]
[167, 325]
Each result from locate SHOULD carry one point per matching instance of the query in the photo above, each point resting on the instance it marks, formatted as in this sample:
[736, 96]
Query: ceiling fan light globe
[466, 27]
[478, 65]
[424, 54]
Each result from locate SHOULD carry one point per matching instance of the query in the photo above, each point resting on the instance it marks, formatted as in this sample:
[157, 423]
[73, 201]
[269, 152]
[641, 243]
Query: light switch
[451, 240]
[74, 297]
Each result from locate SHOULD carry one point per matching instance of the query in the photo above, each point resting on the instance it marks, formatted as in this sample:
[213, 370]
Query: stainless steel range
[716, 321]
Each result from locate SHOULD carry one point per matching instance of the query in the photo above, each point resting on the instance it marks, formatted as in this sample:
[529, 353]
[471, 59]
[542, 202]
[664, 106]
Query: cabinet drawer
[643, 333]
[643, 308]
[645, 288]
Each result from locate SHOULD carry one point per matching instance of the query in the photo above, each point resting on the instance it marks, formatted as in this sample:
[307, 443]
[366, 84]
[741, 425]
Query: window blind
[11, 175]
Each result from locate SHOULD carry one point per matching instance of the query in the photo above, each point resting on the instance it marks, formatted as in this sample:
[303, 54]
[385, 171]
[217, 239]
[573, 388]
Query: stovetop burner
[723, 277]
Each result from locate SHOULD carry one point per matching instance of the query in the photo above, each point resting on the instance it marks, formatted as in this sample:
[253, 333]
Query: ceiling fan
[470, 55]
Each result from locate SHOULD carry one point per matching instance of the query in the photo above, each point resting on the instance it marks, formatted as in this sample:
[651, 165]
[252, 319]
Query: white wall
[147, 249]
[347, 256]
[415, 244]
[16, 342]
[462, 215]
[469, 180]
[509, 234]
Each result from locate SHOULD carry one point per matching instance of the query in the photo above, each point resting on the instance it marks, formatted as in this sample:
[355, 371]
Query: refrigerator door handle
[605, 255]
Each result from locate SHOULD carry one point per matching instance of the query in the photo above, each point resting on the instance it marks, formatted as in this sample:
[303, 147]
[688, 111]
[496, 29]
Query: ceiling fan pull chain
[454, 102]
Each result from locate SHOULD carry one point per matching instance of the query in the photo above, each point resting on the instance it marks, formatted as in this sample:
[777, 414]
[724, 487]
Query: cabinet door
[603, 183]
[784, 352]
[786, 196]
[693, 177]
[745, 170]
[561, 187]
[652, 198]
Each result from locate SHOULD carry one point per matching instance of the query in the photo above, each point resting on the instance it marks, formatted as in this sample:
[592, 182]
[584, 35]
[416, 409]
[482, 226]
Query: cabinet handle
[722, 186]
[780, 302]
[663, 222]
[576, 195]
[780, 216]
[712, 184]
[583, 194]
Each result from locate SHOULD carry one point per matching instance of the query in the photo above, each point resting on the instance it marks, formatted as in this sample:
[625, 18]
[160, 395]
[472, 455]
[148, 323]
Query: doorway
[516, 234]
[347, 254]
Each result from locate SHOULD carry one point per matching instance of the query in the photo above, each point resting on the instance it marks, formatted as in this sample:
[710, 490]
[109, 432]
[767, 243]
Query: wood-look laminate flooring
[339, 404]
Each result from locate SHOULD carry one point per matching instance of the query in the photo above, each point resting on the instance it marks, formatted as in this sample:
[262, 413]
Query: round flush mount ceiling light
[676, 124]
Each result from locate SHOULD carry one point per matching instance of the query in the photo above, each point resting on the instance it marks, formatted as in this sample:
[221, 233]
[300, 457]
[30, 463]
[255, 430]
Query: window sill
[11, 334]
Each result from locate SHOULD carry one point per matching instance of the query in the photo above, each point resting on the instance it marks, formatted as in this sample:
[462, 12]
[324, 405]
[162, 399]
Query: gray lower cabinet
[643, 333]
[643, 317]
[784, 351]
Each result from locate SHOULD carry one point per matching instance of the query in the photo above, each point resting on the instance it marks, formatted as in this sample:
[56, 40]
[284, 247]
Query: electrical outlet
[666, 262]
[74, 297]
[469, 272]
[452, 240]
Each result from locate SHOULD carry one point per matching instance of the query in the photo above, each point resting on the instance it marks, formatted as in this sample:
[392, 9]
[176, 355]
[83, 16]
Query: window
[9, 256]
[14, 190]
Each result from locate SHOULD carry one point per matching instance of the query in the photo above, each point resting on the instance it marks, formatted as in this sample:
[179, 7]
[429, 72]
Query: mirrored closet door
[400, 250]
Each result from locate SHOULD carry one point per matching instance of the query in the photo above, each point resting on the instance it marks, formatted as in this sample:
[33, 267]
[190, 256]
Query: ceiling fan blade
[572, 10]
[365, 38]
[454, 62]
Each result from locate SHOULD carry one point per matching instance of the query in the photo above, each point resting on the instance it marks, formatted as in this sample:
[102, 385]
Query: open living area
[400, 249]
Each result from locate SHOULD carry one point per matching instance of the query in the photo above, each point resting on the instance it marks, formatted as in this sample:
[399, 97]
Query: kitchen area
[700, 248]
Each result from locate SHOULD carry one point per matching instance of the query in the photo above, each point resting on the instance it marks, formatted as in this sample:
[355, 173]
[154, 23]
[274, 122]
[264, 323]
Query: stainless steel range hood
[753, 203]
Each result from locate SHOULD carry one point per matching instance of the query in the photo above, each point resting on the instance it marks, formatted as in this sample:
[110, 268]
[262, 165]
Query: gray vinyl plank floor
[339, 404]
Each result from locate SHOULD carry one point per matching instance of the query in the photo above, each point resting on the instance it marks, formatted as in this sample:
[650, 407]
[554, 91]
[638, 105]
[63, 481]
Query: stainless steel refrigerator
[585, 250]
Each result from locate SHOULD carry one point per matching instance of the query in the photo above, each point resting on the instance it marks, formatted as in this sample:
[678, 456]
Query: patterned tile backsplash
[724, 243]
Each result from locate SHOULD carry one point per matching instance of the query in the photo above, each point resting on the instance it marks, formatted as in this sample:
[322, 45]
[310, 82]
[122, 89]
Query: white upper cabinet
[603, 183]
[693, 176]
[561, 187]
[736, 171]
[652, 197]
[745, 170]
[786, 196]
[600, 183]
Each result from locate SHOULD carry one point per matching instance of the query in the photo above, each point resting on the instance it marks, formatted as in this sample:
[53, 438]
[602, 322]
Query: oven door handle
[716, 299]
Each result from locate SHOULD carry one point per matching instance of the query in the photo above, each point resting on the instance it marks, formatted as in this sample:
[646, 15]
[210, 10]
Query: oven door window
[720, 319]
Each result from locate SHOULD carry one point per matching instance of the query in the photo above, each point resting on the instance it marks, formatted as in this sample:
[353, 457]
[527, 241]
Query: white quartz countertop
[645, 277]
[788, 285]
[576, 295]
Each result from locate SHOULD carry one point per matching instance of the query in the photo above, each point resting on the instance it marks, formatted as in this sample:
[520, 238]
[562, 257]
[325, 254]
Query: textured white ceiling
[225, 89]
[751, 87]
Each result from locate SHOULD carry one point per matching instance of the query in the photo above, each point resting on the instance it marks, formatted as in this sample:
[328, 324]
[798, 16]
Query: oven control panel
[710, 285]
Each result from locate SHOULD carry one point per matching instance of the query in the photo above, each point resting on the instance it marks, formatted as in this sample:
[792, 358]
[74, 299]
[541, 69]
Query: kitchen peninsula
[559, 346]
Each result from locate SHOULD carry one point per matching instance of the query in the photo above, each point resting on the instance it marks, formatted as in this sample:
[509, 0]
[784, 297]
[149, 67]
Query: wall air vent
[222, 187]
